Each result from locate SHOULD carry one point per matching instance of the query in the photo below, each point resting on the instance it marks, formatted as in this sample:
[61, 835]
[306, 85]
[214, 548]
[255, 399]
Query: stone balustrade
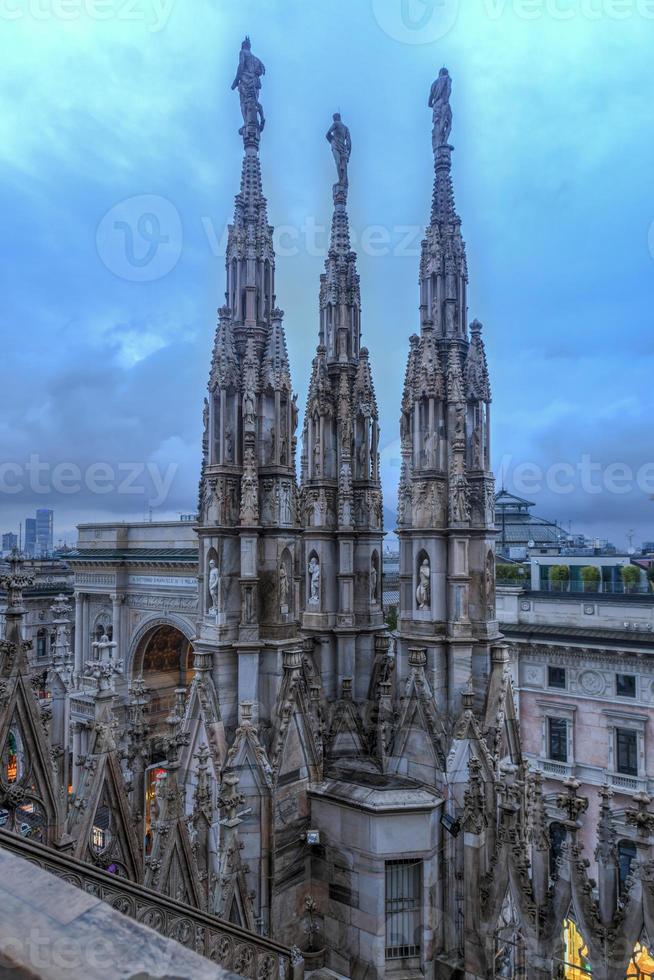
[228, 946]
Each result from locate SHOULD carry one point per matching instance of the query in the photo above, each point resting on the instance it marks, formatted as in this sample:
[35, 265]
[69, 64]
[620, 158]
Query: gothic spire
[443, 268]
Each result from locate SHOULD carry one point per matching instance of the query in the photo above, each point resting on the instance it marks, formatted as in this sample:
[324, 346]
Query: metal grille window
[403, 883]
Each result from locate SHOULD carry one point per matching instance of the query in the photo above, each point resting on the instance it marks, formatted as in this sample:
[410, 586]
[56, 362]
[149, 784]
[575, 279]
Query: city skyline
[124, 384]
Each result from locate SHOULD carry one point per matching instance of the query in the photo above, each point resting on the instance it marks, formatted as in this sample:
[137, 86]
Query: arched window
[41, 643]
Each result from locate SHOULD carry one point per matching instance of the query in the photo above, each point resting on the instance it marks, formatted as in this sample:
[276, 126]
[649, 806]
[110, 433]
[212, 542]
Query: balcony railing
[235, 949]
[602, 588]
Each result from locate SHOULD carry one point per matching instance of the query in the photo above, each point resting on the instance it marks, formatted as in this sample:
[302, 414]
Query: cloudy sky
[120, 158]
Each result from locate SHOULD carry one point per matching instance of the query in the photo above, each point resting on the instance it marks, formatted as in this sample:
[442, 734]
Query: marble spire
[446, 492]
[341, 488]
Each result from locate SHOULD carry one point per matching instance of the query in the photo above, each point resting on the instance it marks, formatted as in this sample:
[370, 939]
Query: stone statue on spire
[339, 136]
[248, 81]
[439, 103]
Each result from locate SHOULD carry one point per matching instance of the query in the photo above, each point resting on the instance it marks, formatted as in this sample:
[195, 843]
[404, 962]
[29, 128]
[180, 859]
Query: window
[402, 908]
[556, 677]
[626, 746]
[41, 641]
[558, 739]
[625, 685]
[626, 856]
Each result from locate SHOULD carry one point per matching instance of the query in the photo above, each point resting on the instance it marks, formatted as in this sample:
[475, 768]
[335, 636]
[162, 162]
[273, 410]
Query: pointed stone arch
[103, 826]
[29, 801]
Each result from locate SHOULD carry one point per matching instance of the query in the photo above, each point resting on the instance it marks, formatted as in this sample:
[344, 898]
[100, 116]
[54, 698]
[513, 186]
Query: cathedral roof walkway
[79, 921]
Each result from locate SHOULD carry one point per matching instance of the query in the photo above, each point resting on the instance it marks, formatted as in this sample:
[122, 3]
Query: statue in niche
[476, 448]
[373, 581]
[430, 449]
[249, 499]
[489, 577]
[459, 425]
[439, 103]
[363, 461]
[229, 444]
[283, 587]
[282, 451]
[460, 498]
[317, 467]
[214, 584]
[285, 510]
[346, 436]
[314, 581]
[338, 135]
[248, 405]
[405, 429]
[423, 592]
[248, 82]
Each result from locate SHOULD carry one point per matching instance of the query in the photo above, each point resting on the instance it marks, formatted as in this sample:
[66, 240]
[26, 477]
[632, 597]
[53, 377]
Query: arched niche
[285, 583]
[375, 577]
[314, 581]
[423, 582]
[212, 556]
[165, 660]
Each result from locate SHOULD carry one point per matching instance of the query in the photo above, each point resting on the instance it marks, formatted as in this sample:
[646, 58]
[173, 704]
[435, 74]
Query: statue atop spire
[339, 136]
[439, 103]
[248, 81]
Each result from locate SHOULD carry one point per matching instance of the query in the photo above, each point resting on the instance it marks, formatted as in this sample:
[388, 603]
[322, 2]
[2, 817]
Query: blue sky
[116, 110]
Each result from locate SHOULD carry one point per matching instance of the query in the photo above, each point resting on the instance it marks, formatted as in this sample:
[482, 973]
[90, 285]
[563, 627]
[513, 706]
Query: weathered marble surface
[51, 930]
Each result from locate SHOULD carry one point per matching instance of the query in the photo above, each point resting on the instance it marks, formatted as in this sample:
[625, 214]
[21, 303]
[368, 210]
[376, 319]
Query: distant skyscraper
[9, 541]
[44, 531]
[30, 536]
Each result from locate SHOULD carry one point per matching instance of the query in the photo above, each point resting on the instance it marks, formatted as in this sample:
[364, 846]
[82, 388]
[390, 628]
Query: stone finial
[571, 804]
[202, 794]
[230, 799]
[641, 818]
[15, 581]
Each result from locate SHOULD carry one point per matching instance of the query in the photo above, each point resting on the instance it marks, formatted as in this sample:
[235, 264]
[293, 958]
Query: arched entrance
[165, 660]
